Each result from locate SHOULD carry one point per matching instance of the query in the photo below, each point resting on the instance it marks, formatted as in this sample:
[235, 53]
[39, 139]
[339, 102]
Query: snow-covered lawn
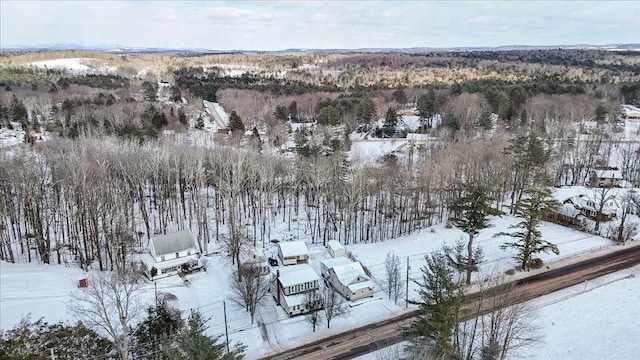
[594, 320]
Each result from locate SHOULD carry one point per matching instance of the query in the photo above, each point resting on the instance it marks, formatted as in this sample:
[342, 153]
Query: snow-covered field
[594, 320]
[73, 65]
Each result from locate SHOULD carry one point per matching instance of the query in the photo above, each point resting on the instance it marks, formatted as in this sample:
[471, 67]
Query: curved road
[366, 339]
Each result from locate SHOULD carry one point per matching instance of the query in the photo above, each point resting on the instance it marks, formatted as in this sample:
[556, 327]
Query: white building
[170, 254]
[336, 249]
[219, 118]
[351, 281]
[293, 252]
[290, 285]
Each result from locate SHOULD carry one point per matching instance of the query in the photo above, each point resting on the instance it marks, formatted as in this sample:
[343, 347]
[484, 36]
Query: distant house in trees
[587, 208]
[336, 249]
[219, 118]
[293, 252]
[290, 285]
[606, 178]
[351, 281]
[171, 254]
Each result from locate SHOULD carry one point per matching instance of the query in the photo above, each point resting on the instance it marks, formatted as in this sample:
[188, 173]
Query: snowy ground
[594, 320]
[76, 66]
[44, 291]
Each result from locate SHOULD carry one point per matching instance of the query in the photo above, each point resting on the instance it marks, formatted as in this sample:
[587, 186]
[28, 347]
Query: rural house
[587, 207]
[219, 118]
[325, 265]
[170, 254]
[289, 286]
[336, 249]
[257, 262]
[606, 178]
[293, 252]
[351, 281]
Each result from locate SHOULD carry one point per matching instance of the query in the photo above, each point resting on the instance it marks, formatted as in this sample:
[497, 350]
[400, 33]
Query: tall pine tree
[531, 208]
[471, 211]
[440, 302]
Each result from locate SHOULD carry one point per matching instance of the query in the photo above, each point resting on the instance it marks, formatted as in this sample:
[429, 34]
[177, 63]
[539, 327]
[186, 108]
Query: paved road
[366, 339]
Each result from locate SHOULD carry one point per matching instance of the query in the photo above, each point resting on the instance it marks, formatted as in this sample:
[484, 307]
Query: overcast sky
[276, 25]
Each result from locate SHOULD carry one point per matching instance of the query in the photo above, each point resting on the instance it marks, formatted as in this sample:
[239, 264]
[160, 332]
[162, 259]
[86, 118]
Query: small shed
[82, 282]
[336, 249]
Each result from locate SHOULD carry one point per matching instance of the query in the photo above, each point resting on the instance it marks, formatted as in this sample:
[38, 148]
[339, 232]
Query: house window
[177, 255]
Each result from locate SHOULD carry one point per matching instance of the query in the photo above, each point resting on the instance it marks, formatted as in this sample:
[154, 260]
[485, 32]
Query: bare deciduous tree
[249, 285]
[333, 304]
[394, 283]
[313, 302]
[110, 304]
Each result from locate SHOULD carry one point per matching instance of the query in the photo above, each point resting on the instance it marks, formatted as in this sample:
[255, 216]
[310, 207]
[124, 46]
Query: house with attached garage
[293, 252]
[171, 254]
[351, 281]
[290, 285]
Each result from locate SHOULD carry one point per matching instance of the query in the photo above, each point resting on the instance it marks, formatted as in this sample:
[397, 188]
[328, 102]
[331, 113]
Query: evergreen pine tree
[440, 302]
[531, 208]
[235, 122]
[471, 211]
[192, 343]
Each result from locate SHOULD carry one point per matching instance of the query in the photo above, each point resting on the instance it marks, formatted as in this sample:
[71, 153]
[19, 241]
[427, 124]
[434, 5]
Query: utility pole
[406, 298]
[226, 329]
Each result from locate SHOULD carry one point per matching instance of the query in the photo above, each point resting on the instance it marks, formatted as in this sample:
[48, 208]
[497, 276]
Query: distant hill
[130, 50]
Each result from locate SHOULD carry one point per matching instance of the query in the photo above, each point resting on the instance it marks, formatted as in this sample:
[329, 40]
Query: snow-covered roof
[609, 174]
[348, 272]
[220, 119]
[172, 243]
[360, 285]
[417, 137]
[334, 245]
[293, 248]
[330, 263]
[297, 274]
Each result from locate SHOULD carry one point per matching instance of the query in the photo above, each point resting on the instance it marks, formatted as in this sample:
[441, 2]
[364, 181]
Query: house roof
[173, 243]
[347, 273]
[334, 245]
[330, 263]
[220, 117]
[608, 174]
[293, 248]
[297, 274]
[361, 285]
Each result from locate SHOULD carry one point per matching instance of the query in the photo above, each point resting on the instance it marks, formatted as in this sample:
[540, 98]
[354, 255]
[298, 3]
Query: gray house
[170, 254]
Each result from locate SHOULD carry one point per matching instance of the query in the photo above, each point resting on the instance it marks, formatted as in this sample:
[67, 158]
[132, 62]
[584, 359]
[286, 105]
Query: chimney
[278, 287]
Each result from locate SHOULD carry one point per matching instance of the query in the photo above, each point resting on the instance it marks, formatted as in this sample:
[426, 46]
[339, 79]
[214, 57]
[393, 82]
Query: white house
[606, 178]
[351, 281]
[289, 286]
[257, 262]
[336, 249]
[325, 265]
[170, 254]
[293, 252]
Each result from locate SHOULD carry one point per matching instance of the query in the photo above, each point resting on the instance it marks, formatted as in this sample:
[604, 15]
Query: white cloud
[317, 24]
